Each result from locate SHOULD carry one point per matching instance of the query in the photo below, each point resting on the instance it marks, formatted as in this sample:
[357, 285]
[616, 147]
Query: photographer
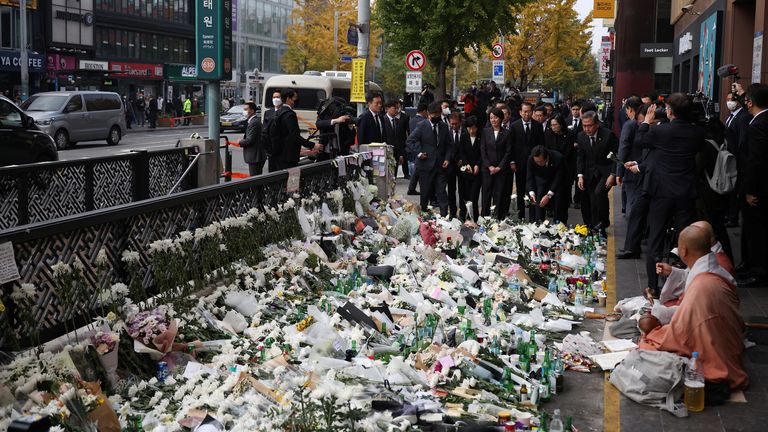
[335, 124]
[669, 174]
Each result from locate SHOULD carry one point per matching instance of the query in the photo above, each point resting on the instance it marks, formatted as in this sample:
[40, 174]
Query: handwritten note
[294, 180]
[9, 271]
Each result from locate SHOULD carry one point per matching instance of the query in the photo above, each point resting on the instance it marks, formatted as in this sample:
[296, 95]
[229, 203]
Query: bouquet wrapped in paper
[106, 344]
[153, 332]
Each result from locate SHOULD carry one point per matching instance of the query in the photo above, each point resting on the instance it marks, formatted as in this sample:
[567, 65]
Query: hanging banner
[357, 86]
[604, 9]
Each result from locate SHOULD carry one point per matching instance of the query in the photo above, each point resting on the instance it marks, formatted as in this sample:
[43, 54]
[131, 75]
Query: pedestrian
[527, 133]
[595, 171]
[152, 112]
[469, 162]
[452, 171]
[253, 150]
[629, 149]
[128, 108]
[269, 116]
[225, 105]
[426, 94]
[561, 139]
[140, 110]
[421, 116]
[540, 115]
[337, 134]
[160, 102]
[396, 132]
[495, 152]
[432, 144]
[370, 124]
[736, 126]
[187, 110]
[544, 172]
[287, 150]
[472, 109]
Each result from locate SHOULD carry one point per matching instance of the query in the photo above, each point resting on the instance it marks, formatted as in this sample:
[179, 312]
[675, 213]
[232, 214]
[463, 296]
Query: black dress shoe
[413, 192]
[627, 255]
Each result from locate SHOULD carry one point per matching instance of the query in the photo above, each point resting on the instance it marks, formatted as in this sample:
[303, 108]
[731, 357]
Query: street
[153, 139]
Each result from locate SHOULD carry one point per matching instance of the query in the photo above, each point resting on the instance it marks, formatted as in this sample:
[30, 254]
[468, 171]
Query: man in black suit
[469, 163]
[421, 116]
[431, 142]
[266, 117]
[736, 126]
[253, 151]
[370, 127]
[336, 129]
[526, 134]
[669, 179]
[452, 172]
[545, 173]
[287, 150]
[396, 132]
[629, 150]
[574, 119]
[596, 173]
[756, 185]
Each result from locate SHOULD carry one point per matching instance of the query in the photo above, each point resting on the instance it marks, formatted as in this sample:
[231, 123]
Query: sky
[584, 7]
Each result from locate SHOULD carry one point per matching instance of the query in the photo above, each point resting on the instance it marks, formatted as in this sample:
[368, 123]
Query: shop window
[6, 28]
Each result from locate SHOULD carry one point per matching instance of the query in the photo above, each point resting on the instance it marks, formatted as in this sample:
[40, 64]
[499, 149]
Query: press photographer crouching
[335, 127]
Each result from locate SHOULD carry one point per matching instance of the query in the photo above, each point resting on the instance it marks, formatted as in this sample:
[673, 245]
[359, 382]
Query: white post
[336, 39]
[24, 57]
[363, 37]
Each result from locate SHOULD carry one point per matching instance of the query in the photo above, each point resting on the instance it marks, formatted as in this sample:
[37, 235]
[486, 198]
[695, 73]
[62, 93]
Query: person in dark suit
[543, 185]
[370, 127]
[337, 134]
[431, 142]
[574, 118]
[253, 151]
[266, 117]
[596, 173]
[560, 139]
[736, 126]
[452, 172]
[421, 116]
[669, 175]
[495, 153]
[396, 132]
[469, 162]
[756, 186]
[526, 134]
[288, 148]
[629, 149]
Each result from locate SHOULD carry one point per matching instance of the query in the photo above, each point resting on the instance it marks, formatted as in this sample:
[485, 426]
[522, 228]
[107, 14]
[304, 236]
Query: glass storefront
[112, 43]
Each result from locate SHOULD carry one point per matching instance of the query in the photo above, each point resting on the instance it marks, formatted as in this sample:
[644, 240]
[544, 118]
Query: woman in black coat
[562, 140]
[495, 153]
[470, 176]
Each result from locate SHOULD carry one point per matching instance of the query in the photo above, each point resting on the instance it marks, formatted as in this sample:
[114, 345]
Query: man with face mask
[431, 143]
[267, 117]
[736, 125]
[445, 109]
[287, 148]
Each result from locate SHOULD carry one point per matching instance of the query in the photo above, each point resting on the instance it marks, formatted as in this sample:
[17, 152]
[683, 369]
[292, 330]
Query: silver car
[75, 116]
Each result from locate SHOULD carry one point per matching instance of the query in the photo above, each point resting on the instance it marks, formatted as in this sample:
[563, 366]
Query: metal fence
[53, 190]
[39, 246]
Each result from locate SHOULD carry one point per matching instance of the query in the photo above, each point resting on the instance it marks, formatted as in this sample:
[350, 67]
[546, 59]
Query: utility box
[384, 167]
[208, 162]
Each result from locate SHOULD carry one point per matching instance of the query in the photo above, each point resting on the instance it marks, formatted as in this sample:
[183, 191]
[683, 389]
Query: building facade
[10, 44]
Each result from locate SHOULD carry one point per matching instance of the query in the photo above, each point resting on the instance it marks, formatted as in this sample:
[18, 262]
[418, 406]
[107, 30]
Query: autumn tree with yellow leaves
[551, 46]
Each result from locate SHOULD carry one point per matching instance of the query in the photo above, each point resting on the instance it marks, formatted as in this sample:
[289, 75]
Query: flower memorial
[335, 313]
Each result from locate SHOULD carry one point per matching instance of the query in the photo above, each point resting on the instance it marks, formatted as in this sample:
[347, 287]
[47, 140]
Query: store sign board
[60, 62]
[135, 70]
[10, 61]
[180, 72]
[93, 65]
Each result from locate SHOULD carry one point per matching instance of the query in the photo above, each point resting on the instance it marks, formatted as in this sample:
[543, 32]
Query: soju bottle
[533, 348]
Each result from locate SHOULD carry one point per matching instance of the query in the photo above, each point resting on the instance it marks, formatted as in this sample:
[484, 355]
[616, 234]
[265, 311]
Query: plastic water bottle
[514, 288]
[553, 285]
[694, 386]
[556, 425]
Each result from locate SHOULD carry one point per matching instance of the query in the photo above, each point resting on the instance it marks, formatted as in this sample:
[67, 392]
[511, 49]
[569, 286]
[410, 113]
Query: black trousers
[414, 180]
[433, 183]
[255, 168]
[469, 192]
[662, 210]
[638, 222]
[594, 202]
[451, 181]
[495, 189]
[756, 259]
[562, 200]
[520, 179]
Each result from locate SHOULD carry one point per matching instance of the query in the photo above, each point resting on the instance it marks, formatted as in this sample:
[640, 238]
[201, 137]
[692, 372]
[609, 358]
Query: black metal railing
[38, 247]
[52, 190]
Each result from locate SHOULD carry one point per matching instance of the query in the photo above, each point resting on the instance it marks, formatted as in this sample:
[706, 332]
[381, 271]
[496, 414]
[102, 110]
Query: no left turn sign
[497, 51]
[415, 60]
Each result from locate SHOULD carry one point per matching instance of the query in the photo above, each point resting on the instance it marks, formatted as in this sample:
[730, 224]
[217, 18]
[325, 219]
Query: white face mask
[446, 111]
[732, 105]
[277, 102]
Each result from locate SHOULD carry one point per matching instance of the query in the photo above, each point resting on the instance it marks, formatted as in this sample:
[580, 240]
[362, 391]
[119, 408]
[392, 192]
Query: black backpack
[270, 133]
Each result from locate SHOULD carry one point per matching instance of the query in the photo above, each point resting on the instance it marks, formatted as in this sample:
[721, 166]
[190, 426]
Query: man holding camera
[669, 175]
[337, 134]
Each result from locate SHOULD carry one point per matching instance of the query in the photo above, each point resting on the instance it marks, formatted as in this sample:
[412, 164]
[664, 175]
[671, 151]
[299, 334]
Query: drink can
[162, 371]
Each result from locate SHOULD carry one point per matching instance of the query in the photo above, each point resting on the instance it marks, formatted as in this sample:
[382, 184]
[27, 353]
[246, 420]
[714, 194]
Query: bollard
[208, 164]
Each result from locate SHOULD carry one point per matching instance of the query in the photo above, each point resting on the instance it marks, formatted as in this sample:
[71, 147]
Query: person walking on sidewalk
[187, 110]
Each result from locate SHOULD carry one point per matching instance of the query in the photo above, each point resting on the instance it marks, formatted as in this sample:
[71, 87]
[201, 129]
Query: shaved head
[692, 244]
[707, 227]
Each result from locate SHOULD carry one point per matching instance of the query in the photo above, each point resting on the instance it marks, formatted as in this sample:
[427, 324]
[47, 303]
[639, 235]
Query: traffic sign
[498, 71]
[415, 60]
[413, 82]
[346, 59]
[497, 51]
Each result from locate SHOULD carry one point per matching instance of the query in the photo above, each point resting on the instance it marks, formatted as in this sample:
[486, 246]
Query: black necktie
[592, 141]
[434, 134]
[728, 121]
[378, 123]
[527, 129]
[456, 137]
[394, 123]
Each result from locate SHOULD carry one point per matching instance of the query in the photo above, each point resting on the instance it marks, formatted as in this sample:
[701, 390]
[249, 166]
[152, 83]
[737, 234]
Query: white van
[311, 90]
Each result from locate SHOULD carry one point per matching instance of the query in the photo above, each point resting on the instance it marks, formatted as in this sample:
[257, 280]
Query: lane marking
[611, 401]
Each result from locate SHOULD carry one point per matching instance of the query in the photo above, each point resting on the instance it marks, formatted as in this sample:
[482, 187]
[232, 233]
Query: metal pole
[455, 93]
[213, 98]
[336, 39]
[363, 37]
[240, 72]
[24, 57]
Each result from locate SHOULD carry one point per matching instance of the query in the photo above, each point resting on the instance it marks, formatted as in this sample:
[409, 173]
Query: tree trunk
[440, 92]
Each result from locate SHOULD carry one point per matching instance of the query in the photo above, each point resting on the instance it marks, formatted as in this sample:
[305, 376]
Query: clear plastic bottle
[556, 425]
[694, 386]
[552, 285]
[514, 289]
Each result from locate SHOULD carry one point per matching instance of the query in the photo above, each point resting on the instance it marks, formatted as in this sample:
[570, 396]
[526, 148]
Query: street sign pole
[363, 31]
[24, 58]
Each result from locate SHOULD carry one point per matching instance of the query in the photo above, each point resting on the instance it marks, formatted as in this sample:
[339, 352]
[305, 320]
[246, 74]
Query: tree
[309, 38]
[551, 45]
[442, 29]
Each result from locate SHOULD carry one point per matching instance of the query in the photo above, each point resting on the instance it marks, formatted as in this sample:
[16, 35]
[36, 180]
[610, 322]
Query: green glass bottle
[533, 348]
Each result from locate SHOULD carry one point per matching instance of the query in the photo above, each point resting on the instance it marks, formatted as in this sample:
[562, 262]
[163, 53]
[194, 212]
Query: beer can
[162, 371]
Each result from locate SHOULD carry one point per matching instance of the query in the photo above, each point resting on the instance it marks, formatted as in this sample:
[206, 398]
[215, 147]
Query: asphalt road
[151, 139]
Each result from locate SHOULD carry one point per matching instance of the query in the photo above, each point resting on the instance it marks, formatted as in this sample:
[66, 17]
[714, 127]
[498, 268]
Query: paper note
[610, 360]
[447, 362]
[615, 345]
[341, 162]
[294, 180]
[9, 271]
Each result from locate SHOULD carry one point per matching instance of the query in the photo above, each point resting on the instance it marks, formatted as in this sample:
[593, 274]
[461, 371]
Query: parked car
[75, 116]
[234, 118]
[21, 141]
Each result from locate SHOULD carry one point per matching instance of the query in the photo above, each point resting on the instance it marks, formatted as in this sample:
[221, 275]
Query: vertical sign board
[214, 39]
[413, 82]
[604, 9]
[757, 57]
[357, 86]
[498, 71]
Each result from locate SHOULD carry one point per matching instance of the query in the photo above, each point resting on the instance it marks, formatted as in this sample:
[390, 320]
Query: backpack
[653, 378]
[723, 179]
[270, 133]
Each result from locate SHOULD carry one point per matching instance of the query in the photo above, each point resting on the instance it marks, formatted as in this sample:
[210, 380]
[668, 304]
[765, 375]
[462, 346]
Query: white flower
[60, 269]
[130, 257]
[24, 292]
[102, 259]
[56, 429]
[119, 290]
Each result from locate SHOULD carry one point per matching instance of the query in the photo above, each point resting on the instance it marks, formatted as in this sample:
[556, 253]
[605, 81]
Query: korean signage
[10, 61]
[413, 82]
[757, 57]
[605, 55]
[604, 9]
[357, 85]
[214, 40]
[93, 65]
[498, 71]
[61, 62]
[180, 72]
[135, 70]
